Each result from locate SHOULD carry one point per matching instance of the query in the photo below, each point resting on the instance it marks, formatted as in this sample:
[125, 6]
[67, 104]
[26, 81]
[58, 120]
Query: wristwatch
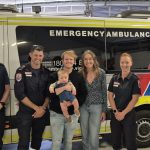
[114, 111]
[2, 103]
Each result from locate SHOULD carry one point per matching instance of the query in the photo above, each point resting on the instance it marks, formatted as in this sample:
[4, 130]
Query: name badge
[28, 74]
[116, 84]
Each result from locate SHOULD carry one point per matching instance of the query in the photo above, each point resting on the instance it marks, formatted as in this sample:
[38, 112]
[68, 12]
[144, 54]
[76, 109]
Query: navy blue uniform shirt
[31, 83]
[124, 89]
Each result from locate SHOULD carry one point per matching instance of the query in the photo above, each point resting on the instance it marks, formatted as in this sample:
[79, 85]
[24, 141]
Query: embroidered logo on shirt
[18, 77]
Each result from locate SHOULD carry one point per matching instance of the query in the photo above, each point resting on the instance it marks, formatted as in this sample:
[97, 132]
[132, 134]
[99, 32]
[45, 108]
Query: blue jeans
[62, 130]
[90, 126]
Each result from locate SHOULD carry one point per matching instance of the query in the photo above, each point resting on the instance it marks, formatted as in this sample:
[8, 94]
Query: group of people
[71, 95]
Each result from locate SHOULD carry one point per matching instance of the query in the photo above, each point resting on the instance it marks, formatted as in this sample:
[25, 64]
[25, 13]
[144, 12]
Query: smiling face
[68, 61]
[36, 58]
[125, 63]
[88, 61]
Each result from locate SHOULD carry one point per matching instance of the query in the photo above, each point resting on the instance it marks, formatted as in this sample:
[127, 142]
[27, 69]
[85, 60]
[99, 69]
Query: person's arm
[6, 93]
[104, 97]
[45, 105]
[111, 101]
[52, 87]
[131, 104]
[5, 96]
[111, 95]
[120, 115]
[136, 92]
[42, 109]
[73, 89]
[26, 101]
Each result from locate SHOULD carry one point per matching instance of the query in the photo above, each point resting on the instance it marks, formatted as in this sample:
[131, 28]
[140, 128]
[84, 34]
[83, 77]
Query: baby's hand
[74, 92]
[51, 90]
[67, 87]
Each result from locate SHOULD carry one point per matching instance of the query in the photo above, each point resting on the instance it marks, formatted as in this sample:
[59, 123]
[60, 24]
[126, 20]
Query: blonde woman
[92, 112]
[123, 94]
[60, 128]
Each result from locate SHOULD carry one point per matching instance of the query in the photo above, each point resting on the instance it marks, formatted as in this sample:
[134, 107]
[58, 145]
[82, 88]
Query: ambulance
[107, 37]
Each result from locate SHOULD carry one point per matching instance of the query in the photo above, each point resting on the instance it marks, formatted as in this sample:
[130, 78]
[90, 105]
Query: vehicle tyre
[143, 128]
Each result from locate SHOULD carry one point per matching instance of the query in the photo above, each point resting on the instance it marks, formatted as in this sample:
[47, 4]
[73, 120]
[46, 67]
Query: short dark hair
[37, 47]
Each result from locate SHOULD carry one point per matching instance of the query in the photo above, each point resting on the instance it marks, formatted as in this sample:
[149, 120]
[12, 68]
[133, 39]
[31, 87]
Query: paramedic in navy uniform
[4, 94]
[31, 90]
[123, 94]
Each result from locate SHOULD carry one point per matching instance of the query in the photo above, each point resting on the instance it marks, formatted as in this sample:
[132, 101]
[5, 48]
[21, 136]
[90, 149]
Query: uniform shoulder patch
[18, 77]
[21, 68]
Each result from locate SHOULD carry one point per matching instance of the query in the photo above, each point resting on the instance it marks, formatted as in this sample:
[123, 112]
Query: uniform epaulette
[21, 67]
[115, 74]
[134, 75]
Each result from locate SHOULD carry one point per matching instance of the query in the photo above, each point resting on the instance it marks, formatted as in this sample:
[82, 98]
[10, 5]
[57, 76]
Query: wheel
[143, 128]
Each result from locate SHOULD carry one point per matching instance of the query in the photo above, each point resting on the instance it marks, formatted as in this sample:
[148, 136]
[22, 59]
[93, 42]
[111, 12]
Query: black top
[79, 83]
[31, 83]
[124, 89]
[4, 79]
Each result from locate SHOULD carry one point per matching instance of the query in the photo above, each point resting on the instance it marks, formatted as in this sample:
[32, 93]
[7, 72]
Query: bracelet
[2, 103]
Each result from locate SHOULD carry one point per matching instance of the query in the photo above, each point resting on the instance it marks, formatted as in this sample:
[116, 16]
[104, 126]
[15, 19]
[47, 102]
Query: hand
[119, 116]
[103, 116]
[51, 90]
[74, 92]
[67, 87]
[39, 112]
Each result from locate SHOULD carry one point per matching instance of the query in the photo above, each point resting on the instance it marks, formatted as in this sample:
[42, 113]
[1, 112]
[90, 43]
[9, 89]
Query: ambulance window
[58, 39]
[134, 41]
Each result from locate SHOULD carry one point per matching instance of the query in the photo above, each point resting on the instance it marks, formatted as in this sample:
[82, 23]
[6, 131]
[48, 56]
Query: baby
[67, 98]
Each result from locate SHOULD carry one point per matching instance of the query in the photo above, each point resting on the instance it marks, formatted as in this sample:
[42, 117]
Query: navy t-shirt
[124, 89]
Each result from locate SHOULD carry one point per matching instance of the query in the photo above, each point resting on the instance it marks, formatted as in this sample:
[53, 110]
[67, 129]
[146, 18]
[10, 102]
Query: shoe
[69, 119]
[77, 113]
